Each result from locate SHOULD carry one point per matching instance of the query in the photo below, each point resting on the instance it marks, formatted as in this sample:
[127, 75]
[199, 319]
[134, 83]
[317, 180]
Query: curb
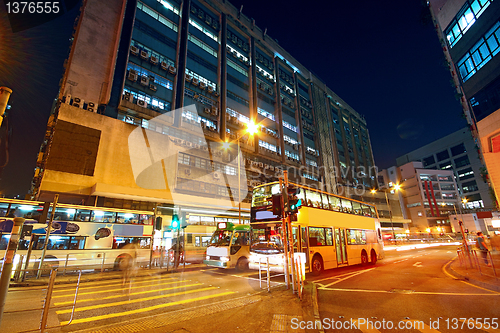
[470, 280]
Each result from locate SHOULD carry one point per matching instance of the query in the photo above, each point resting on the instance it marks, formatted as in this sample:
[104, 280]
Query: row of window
[59, 242]
[482, 52]
[205, 164]
[324, 236]
[465, 18]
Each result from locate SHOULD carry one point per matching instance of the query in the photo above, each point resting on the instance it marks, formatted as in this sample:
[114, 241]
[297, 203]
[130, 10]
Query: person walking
[481, 245]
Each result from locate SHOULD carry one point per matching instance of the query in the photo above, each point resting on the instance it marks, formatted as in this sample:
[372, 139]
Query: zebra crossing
[101, 303]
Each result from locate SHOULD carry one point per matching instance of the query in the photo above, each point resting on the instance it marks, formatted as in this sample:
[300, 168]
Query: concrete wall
[488, 128]
[91, 64]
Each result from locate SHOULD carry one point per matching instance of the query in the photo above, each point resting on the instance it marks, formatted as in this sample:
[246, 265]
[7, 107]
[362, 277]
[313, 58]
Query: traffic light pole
[289, 238]
[284, 225]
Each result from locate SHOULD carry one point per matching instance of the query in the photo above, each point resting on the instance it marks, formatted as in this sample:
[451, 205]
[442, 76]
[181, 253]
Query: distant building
[469, 31]
[456, 152]
[429, 196]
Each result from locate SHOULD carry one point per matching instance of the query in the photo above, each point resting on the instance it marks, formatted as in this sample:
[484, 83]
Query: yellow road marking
[412, 293]
[88, 285]
[128, 294]
[470, 284]
[100, 306]
[347, 277]
[109, 290]
[155, 307]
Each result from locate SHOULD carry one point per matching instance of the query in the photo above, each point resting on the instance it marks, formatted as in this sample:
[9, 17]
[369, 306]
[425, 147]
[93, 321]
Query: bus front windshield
[262, 193]
[267, 240]
[221, 238]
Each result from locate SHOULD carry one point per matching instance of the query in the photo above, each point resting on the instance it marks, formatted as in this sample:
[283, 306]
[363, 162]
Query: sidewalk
[484, 278]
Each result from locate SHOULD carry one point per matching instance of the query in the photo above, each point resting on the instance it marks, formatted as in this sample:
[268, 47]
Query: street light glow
[225, 145]
[373, 191]
[397, 187]
[252, 128]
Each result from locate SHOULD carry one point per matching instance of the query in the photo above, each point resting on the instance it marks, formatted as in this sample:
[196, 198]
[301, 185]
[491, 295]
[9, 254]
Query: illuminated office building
[132, 63]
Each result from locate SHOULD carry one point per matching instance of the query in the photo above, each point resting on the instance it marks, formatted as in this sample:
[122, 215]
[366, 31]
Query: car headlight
[207, 257]
[223, 259]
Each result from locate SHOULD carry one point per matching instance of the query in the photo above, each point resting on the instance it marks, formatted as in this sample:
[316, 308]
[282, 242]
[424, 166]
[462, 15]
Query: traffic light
[158, 223]
[277, 205]
[294, 203]
[175, 225]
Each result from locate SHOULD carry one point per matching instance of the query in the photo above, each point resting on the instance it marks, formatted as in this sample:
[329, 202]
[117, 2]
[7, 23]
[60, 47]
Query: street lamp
[396, 188]
[251, 129]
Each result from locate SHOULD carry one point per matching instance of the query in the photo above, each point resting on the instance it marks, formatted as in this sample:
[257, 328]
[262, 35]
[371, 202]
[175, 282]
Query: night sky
[376, 55]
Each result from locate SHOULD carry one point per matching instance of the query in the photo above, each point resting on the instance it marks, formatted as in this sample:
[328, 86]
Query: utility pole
[284, 225]
[17, 227]
[47, 235]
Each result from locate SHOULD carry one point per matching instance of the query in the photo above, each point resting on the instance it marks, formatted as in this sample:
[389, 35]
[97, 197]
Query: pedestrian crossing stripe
[127, 295]
[151, 308]
[116, 289]
[94, 285]
[100, 306]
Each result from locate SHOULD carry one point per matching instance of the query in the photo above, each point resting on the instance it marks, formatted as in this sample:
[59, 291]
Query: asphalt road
[407, 289]
[112, 301]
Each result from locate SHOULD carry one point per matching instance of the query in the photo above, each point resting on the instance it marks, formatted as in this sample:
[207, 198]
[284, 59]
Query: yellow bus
[332, 231]
[86, 237]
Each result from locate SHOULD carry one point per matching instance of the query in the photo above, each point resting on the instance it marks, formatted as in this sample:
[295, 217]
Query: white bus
[331, 230]
[81, 236]
[229, 246]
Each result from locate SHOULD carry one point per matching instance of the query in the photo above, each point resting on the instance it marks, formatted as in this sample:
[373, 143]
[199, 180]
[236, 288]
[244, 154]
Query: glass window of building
[466, 173]
[445, 166]
[458, 149]
[428, 160]
[461, 161]
[443, 155]
[470, 186]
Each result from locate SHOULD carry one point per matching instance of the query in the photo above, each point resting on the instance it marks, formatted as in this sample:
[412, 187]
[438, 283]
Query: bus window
[146, 219]
[374, 213]
[324, 198]
[205, 240]
[260, 194]
[317, 236]
[197, 241]
[77, 243]
[127, 218]
[240, 238]
[106, 217]
[82, 215]
[329, 236]
[356, 237]
[346, 206]
[64, 214]
[4, 241]
[58, 243]
[366, 210]
[221, 238]
[356, 207]
[335, 203]
[313, 199]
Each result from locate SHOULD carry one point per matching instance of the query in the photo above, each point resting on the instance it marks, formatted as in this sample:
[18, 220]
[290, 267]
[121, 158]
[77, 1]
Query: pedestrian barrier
[46, 304]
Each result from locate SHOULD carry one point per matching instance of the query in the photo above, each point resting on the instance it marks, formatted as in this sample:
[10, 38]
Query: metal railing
[46, 304]
[485, 265]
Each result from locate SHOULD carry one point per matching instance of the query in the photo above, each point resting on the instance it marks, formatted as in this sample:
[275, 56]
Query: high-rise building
[430, 196]
[153, 88]
[457, 152]
[469, 31]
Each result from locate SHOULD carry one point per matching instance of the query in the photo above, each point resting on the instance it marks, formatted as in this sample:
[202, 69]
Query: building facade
[430, 197]
[459, 153]
[469, 31]
[153, 88]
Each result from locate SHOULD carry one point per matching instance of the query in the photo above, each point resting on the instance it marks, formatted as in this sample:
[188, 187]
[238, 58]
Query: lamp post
[461, 224]
[251, 129]
[396, 187]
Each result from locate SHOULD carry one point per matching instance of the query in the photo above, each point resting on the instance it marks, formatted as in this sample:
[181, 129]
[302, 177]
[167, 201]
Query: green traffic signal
[175, 222]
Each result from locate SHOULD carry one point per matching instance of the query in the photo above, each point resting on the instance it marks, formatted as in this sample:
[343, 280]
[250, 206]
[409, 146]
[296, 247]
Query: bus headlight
[224, 259]
[207, 257]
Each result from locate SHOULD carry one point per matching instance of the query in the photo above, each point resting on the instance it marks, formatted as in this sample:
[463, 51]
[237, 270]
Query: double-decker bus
[83, 236]
[229, 246]
[332, 231]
